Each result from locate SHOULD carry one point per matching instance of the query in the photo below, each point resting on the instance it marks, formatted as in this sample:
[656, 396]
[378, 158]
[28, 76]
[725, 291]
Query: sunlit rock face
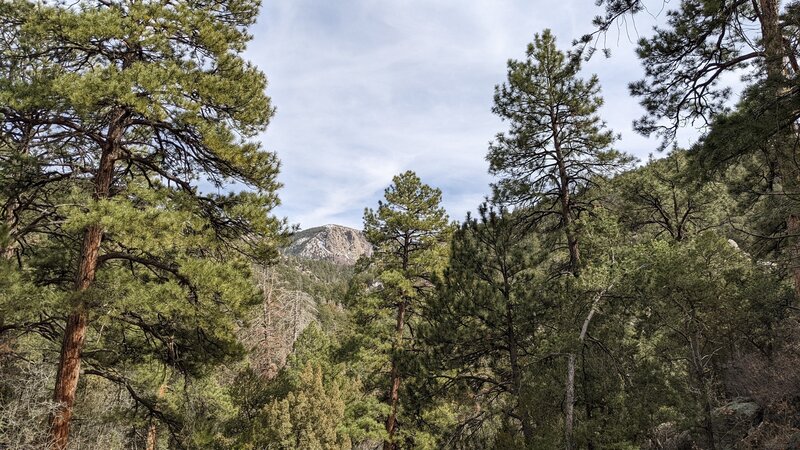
[334, 243]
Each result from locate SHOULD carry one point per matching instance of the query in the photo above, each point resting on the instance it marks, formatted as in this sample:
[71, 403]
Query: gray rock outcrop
[334, 243]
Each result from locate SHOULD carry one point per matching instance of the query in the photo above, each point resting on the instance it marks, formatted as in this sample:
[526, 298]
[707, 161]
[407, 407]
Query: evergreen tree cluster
[591, 303]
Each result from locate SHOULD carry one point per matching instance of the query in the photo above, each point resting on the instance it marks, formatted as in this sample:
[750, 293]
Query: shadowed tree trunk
[774, 55]
[569, 394]
[516, 370]
[564, 194]
[394, 390]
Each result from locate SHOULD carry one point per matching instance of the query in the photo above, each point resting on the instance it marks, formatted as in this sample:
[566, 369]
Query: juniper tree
[147, 109]
[706, 304]
[666, 198]
[556, 146]
[408, 232]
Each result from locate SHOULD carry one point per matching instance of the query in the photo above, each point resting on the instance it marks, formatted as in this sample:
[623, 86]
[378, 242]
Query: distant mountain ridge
[334, 243]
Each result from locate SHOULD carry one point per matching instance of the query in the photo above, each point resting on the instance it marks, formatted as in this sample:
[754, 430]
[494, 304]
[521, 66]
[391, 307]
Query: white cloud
[365, 89]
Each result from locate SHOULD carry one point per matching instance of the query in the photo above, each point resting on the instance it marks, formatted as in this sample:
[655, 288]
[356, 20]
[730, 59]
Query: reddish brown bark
[69, 364]
[394, 390]
[67, 378]
[152, 436]
[152, 429]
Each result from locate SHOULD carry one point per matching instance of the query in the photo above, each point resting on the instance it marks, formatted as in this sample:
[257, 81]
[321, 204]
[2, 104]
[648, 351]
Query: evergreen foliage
[409, 232]
[118, 112]
[589, 304]
[557, 146]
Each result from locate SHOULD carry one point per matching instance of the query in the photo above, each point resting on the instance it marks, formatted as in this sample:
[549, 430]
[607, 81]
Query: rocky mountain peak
[334, 243]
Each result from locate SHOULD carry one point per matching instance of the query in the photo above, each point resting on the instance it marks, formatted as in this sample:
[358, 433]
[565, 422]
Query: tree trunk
[69, 364]
[68, 372]
[569, 396]
[772, 38]
[774, 53]
[569, 404]
[394, 390]
[152, 436]
[152, 430]
[702, 384]
[566, 207]
[516, 371]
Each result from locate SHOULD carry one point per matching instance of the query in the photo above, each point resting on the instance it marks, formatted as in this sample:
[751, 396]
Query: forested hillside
[151, 297]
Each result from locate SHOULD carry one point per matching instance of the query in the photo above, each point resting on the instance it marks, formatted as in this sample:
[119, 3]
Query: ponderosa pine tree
[409, 232]
[485, 320]
[138, 105]
[29, 172]
[556, 146]
[685, 64]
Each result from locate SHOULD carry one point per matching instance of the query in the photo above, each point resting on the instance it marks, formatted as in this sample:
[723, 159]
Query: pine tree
[556, 146]
[408, 232]
[146, 109]
[686, 62]
[482, 330]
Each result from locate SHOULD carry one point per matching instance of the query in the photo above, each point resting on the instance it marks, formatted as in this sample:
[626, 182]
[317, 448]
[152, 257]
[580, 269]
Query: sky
[366, 89]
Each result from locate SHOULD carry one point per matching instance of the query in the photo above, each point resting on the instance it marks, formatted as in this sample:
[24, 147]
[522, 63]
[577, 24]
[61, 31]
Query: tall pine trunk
[69, 364]
[566, 206]
[774, 53]
[772, 38]
[152, 429]
[516, 370]
[394, 390]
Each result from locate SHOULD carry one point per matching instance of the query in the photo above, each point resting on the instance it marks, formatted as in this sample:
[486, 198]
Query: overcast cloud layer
[367, 89]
